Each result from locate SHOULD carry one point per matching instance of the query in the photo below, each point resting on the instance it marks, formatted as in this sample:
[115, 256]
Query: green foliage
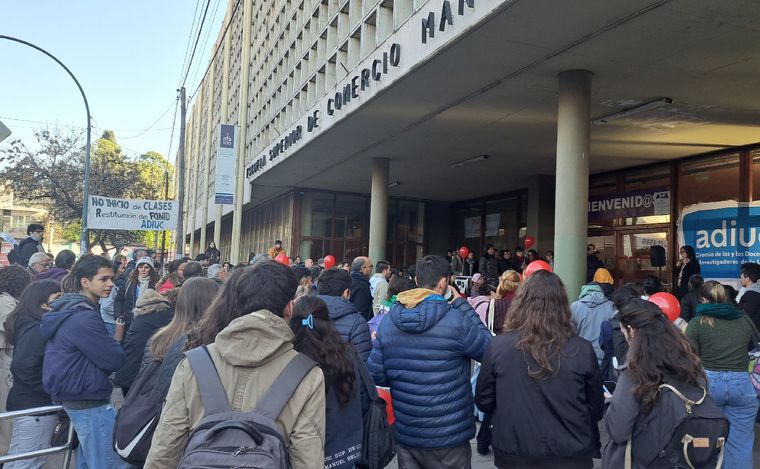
[52, 175]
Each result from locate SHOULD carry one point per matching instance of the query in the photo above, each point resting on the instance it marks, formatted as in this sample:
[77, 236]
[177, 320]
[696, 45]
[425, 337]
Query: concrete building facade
[404, 127]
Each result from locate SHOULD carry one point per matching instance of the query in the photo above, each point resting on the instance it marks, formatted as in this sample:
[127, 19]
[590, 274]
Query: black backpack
[138, 416]
[13, 255]
[378, 441]
[699, 436]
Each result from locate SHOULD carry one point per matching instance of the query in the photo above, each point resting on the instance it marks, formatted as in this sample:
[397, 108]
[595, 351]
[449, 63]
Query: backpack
[13, 255]
[379, 440]
[226, 438]
[699, 436]
[138, 416]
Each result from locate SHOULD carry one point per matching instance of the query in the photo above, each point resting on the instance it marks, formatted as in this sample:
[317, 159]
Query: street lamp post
[83, 241]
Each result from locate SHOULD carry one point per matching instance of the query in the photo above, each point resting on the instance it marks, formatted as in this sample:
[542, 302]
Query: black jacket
[689, 269]
[548, 419]
[26, 367]
[26, 249]
[126, 299]
[489, 268]
[470, 267]
[750, 303]
[361, 296]
[153, 311]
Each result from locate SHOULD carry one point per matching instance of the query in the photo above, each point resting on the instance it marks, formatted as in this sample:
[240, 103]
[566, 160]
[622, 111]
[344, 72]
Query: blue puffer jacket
[351, 326]
[422, 352]
[80, 353]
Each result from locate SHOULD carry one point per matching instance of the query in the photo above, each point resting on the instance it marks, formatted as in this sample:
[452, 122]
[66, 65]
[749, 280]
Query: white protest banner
[109, 213]
[224, 186]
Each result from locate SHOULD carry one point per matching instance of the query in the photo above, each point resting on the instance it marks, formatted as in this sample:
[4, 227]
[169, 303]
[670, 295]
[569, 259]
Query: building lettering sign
[110, 213]
[631, 204]
[724, 235]
[436, 21]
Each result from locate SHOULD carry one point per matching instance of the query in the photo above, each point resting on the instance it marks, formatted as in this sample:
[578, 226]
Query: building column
[245, 67]
[378, 209]
[209, 96]
[223, 118]
[571, 199]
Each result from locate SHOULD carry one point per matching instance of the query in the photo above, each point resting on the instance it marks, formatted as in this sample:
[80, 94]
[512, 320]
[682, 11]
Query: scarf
[755, 287]
[719, 310]
[142, 286]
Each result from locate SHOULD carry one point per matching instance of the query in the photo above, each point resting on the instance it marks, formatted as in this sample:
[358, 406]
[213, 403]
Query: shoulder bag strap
[213, 395]
[285, 386]
[689, 403]
[367, 381]
[628, 454]
[491, 309]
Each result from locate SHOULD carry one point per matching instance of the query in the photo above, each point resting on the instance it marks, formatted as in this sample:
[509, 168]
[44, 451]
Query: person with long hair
[687, 266]
[721, 335]
[22, 332]
[248, 338]
[143, 278]
[316, 337]
[658, 354]
[166, 345]
[542, 383]
[13, 280]
[80, 355]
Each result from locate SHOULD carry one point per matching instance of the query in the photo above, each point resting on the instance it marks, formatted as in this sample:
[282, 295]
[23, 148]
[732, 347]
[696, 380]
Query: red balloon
[530, 241]
[535, 266]
[464, 251]
[282, 259]
[668, 304]
[329, 261]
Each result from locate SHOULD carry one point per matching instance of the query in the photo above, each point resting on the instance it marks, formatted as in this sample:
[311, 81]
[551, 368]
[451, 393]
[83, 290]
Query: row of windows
[299, 50]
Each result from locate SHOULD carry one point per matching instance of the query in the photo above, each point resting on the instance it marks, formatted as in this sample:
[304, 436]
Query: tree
[52, 175]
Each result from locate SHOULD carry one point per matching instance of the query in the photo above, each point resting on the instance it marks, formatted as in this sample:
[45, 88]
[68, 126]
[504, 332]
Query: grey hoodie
[588, 314]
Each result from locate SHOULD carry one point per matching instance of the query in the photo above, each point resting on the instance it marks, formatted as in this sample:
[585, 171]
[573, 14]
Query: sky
[128, 57]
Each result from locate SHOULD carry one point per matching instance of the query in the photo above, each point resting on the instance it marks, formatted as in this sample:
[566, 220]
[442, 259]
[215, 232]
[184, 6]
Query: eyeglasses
[38, 231]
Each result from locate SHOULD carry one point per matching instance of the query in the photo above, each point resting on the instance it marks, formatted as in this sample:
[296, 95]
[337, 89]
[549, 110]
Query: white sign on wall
[109, 213]
[226, 146]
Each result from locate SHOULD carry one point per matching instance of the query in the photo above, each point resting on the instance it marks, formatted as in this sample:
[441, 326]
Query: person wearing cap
[142, 278]
[276, 250]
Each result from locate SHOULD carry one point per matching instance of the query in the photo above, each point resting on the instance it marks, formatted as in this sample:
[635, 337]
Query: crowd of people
[539, 370]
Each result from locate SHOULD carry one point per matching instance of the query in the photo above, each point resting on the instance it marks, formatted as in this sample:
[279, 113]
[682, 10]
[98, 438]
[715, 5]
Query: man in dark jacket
[749, 295]
[423, 352]
[30, 245]
[79, 356]
[361, 295]
[334, 287]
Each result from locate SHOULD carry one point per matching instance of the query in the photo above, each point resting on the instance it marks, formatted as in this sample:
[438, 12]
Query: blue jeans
[733, 392]
[94, 427]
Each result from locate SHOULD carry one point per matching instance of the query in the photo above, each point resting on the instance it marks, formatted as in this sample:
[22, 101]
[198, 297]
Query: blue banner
[724, 235]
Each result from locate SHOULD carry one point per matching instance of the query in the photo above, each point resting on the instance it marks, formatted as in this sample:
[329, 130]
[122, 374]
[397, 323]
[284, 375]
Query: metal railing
[42, 452]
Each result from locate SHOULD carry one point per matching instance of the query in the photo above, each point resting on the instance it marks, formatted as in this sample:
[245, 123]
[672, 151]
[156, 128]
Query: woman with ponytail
[316, 337]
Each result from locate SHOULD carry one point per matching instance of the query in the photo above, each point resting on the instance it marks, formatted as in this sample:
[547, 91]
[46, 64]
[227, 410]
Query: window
[755, 174]
[710, 179]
